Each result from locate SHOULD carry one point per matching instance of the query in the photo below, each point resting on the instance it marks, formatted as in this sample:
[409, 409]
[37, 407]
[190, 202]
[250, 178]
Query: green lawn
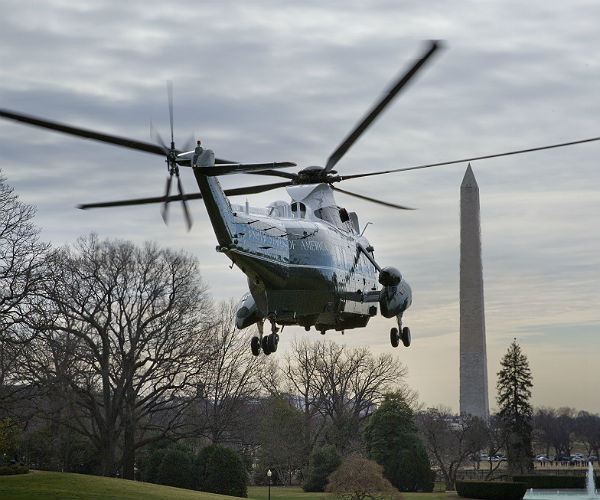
[43, 485]
[281, 493]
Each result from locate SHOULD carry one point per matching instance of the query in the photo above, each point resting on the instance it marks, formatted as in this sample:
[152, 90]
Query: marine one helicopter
[307, 261]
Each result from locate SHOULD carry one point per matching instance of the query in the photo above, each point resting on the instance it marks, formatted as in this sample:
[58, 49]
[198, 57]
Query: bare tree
[351, 383]
[21, 258]
[450, 440]
[495, 441]
[230, 379]
[125, 329]
[339, 388]
[544, 424]
[587, 427]
[555, 428]
[299, 368]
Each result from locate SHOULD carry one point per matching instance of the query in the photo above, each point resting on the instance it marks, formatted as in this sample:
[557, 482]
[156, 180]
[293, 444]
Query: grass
[281, 492]
[292, 493]
[44, 485]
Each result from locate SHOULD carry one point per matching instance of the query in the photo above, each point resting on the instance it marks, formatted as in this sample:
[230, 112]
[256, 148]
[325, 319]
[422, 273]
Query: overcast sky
[286, 81]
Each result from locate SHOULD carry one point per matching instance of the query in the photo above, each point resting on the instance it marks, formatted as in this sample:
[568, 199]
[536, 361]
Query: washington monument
[473, 359]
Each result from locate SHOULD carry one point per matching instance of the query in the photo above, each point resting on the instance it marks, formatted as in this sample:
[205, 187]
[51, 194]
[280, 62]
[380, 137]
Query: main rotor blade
[80, 132]
[138, 201]
[233, 168]
[276, 173]
[379, 107]
[380, 202]
[465, 160]
[89, 134]
[194, 196]
[261, 188]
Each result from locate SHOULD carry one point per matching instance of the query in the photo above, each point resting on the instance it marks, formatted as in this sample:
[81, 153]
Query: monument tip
[469, 178]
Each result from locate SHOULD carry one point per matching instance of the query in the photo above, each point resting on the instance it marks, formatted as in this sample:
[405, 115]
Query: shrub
[10, 469]
[322, 462]
[150, 465]
[175, 469]
[552, 482]
[221, 470]
[491, 490]
[358, 478]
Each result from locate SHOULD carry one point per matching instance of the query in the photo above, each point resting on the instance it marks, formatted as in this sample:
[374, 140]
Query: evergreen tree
[175, 469]
[221, 470]
[516, 414]
[323, 461]
[392, 440]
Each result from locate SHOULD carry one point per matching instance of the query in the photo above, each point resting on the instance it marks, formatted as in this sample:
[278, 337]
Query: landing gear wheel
[394, 337]
[265, 345]
[255, 346]
[272, 342]
[405, 336]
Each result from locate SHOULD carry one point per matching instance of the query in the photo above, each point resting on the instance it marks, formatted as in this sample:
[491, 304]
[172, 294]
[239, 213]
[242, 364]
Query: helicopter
[307, 262]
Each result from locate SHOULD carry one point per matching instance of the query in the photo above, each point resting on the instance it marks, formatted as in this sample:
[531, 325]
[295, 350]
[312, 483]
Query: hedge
[491, 490]
[10, 469]
[550, 482]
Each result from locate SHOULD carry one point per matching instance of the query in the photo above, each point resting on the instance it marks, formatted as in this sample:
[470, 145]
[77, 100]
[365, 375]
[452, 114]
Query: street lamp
[269, 474]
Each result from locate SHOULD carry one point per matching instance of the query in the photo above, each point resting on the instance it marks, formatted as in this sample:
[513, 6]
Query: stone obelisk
[473, 359]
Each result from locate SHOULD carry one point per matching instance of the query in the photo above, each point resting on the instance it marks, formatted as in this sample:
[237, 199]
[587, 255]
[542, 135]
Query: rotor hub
[315, 175]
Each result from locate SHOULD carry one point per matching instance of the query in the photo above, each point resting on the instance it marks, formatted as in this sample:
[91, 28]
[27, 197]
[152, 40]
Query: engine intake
[390, 276]
[247, 313]
[394, 299]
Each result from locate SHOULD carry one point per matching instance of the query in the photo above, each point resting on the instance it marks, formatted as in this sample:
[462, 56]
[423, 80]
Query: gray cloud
[274, 80]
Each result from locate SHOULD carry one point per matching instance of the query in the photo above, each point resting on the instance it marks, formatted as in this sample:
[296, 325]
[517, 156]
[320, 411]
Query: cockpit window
[299, 209]
[331, 215]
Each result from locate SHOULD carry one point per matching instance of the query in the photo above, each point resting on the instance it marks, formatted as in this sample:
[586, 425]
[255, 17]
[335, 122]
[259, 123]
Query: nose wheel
[255, 346]
[405, 336]
[394, 337]
[400, 334]
[267, 343]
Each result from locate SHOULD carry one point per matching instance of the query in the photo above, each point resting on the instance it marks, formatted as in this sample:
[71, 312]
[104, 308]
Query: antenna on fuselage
[365, 228]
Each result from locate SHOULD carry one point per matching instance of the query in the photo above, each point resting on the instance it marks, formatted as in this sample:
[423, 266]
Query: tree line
[108, 348]
[112, 354]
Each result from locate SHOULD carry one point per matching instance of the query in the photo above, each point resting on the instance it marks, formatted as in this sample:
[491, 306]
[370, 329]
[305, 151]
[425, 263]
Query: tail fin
[215, 200]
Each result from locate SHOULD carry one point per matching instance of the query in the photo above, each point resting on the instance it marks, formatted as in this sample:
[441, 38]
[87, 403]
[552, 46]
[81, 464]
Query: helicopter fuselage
[304, 272]
[305, 261]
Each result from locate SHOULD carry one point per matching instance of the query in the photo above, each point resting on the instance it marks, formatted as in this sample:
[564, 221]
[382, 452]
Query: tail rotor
[172, 167]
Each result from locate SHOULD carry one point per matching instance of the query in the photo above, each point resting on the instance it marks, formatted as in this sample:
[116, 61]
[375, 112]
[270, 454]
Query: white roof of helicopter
[314, 196]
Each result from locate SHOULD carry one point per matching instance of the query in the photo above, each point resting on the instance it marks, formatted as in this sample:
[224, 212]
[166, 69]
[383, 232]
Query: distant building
[473, 358]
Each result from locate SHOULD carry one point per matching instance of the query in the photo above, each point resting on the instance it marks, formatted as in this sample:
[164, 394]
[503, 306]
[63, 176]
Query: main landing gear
[267, 343]
[403, 336]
